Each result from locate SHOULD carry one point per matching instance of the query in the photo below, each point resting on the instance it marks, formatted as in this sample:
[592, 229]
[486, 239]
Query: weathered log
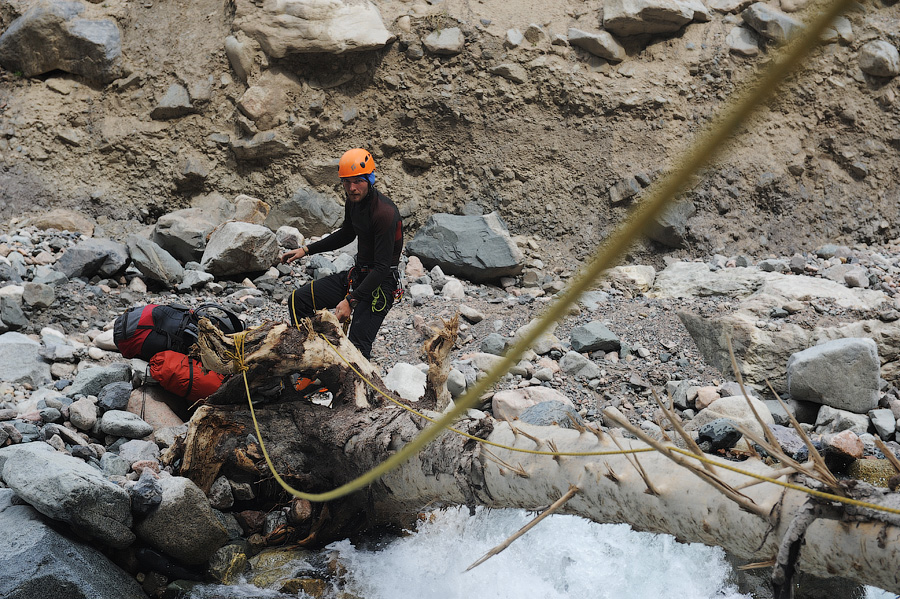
[317, 448]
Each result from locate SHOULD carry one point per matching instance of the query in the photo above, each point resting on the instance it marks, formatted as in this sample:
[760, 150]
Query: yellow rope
[617, 244]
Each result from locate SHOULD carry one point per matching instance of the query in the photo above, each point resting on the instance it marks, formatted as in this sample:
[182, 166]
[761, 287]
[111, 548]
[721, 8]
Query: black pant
[327, 293]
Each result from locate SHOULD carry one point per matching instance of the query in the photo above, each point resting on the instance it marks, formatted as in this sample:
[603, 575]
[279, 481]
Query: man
[366, 291]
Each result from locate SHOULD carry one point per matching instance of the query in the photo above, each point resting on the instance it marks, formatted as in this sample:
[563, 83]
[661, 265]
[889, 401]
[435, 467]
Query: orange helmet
[356, 162]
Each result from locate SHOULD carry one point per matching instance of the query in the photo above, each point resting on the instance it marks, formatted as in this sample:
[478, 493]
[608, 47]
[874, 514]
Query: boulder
[62, 219]
[21, 361]
[447, 42]
[238, 248]
[670, 227]
[879, 58]
[843, 374]
[154, 262]
[511, 403]
[91, 381]
[90, 257]
[174, 104]
[552, 413]
[601, 44]
[69, 490]
[770, 22]
[735, 409]
[183, 525]
[477, 248]
[37, 561]
[183, 233]
[407, 381]
[311, 212]
[51, 35]
[594, 336]
[312, 26]
[634, 17]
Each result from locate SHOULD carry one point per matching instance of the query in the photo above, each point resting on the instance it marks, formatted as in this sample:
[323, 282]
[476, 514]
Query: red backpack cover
[183, 375]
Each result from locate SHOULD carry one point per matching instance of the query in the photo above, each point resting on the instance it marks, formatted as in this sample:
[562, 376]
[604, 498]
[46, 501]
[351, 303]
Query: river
[564, 557]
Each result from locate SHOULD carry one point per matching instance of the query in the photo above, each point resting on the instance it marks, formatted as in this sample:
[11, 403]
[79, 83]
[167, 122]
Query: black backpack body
[144, 331]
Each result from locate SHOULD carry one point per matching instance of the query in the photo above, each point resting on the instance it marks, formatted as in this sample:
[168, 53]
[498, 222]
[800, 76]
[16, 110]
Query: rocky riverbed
[820, 326]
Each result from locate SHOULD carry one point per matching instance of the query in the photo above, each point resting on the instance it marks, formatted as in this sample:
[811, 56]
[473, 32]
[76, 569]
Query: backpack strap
[203, 310]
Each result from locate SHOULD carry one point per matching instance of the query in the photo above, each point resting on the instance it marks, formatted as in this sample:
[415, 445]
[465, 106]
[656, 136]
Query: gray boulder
[334, 27]
[550, 413]
[66, 489]
[183, 233]
[309, 211]
[183, 525]
[21, 361]
[843, 374]
[36, 562]
[447, 42]
[238, 248]
[600, 44]
[154, 262]
[90, 257]
[594, 336]
[477, 248]
[91, 381]
[51, 35]
[633, 17]
[832, 420]
[670, 227]
[770, 22]
[174, 104]
[12, 313]
[262, 146]
[120, 423]
[574, 364]
[879, 58]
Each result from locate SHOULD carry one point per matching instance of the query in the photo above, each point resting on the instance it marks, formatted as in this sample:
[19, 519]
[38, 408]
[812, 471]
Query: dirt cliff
[542, 132]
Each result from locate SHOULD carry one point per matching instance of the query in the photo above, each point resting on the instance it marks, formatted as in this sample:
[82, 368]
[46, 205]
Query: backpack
[144, 331]
[183, 375]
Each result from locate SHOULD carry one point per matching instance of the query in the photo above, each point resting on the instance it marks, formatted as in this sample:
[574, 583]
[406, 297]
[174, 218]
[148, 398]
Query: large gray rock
[304, 26]
[154, 262]
[552, 413]
[51, 35]
[670, 227]
[736, 409]
[91, 381]
[594, 336]
[262, 146]
[174, 104]
[66, 489]
[633, 17]
[36, 562]
[477, 248]
[880, 58]
[21, 361]
[447, 42]
[770, 22]
[183, 233]
[695, 279]
[311, 212]
[600, 44]
[843, 374]
[90, 257]
[509, 404]
[238, 248]
[184, 525]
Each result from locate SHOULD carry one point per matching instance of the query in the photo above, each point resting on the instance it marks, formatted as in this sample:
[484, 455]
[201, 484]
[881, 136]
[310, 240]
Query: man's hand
[291, 255]
[343, 310]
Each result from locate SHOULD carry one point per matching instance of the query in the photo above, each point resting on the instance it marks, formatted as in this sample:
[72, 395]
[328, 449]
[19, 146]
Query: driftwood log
[317, 448]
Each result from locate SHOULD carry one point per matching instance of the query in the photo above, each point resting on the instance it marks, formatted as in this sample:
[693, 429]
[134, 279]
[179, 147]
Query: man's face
[356, 188]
